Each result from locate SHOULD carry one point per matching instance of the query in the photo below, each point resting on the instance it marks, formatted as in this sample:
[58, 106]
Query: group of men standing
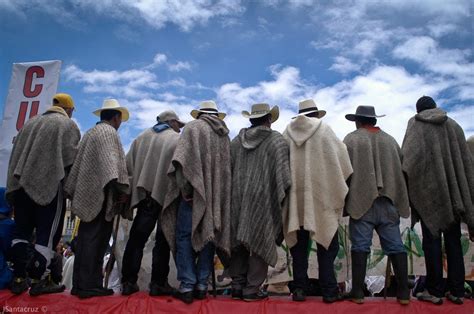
[241, 198]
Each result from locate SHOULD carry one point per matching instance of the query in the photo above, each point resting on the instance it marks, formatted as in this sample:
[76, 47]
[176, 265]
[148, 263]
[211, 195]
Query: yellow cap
[64, 101]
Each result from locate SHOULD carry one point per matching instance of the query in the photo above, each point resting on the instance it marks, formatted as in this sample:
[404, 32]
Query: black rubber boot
[359, 266]
[400, 268]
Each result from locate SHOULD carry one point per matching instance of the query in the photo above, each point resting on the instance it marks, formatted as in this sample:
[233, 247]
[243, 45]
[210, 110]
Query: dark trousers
[327, 276]
[47, 221]
[434, 265]
[92, 242]
[248, 271]
[147, 217]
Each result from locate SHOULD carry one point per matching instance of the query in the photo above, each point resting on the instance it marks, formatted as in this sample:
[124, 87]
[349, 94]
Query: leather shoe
[94, 292]
[129, 288]
[299, 295]
[186, 297]
[157, 290]
[237, 294]
[200, 294]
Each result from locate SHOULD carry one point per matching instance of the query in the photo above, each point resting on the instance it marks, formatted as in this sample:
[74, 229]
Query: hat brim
[321, 113]
[352, 117]
[274, 112]
[123, 110]
[195, 113]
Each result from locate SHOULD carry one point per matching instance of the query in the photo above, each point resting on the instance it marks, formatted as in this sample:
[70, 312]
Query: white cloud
[344, 65]
[159, 59]
[179, 66]
[185, 14]
[427, 52]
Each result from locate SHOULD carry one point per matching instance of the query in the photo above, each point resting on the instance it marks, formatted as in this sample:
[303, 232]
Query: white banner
[31, 90]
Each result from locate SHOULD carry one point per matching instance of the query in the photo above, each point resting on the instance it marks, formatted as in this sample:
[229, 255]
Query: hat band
[307, 109]
[208, 109]
[259, 112]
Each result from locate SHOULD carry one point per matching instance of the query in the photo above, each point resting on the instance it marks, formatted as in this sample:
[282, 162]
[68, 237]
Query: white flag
[31, 90]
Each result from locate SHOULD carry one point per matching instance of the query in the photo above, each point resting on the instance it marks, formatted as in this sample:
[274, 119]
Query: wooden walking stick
[111, 261]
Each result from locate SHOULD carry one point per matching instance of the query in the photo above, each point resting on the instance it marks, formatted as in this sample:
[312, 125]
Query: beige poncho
[100, 160]
[148, 161]
[203, 153]
[320, 166]
[44, 147]
[377, 164]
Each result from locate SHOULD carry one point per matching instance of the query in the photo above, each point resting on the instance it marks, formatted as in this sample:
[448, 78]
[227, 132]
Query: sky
[159, 55]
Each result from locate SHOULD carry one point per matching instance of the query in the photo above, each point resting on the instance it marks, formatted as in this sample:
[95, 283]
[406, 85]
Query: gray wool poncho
[203, 155]
[44, 147]
[440, 170]
[100, 160]
[376, 161]
[260, 184]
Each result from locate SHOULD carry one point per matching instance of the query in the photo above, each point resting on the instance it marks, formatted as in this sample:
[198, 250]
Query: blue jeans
[193, 267]
[384, 218]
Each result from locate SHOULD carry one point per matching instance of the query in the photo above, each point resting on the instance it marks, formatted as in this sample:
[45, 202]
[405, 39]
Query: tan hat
[207, 106]
[309, 106]
[64, 101]
[168, 115]
[113, 104]
[260, 110]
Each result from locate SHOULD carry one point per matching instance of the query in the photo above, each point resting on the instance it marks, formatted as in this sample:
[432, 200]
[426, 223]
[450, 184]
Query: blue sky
[157, 55]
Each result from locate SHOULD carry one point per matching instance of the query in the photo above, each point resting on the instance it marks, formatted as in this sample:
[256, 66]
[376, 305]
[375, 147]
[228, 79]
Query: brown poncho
[376, 161]
[440, 171]
[260, 183]
[203, 154]
[100, 163]
[148, 161]
[44, 147]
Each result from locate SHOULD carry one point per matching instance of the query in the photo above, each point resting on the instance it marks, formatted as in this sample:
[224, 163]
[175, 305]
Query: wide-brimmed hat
[207, 106]
[363, 111]
[113, 104]
[169, 115]
[309, 106]
[260, 110]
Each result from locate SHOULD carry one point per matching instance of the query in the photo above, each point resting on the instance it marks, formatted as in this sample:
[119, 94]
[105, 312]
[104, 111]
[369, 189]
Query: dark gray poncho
[260, 183]
[440, 171]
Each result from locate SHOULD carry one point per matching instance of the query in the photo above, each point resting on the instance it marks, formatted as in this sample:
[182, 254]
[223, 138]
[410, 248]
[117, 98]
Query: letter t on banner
[30, 92]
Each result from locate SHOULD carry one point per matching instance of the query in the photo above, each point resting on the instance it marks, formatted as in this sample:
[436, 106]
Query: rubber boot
[359, 266]
[400, 268]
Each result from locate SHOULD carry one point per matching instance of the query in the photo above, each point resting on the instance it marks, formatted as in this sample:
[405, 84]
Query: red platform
[142, 303]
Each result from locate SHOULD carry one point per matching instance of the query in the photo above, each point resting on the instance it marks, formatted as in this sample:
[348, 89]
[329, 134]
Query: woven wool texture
[44, 147]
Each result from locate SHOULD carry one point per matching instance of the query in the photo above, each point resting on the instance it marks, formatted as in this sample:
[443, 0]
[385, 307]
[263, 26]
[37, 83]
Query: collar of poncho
[251, 138]
[302, 128]
[435, 116]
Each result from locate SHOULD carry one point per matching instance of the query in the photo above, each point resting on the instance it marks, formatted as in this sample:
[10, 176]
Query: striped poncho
[260, 184]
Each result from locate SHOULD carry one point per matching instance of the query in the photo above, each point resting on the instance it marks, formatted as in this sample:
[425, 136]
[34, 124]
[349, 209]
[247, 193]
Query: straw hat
[309, 106]
[113, 104]
[260, 110]
[207, 106]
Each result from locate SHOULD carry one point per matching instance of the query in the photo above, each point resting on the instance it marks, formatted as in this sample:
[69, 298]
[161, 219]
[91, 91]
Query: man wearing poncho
[97, 185]
[260, 185]
[440, 174]
[196, 211]
[148, 161]
[42, 154]
[320, 166]
[377, 198]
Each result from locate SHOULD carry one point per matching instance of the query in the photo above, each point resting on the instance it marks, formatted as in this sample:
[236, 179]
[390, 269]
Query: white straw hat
[260, 110]
[113, 104]
[207, 106]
